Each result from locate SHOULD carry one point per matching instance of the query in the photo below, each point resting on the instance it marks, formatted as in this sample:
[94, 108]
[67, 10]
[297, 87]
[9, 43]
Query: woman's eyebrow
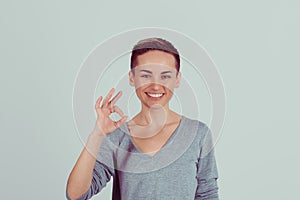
[144, 70]
[148, 71]
[165, 72]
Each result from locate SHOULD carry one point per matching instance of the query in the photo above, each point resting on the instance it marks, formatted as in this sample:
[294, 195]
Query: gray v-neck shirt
[184, 168]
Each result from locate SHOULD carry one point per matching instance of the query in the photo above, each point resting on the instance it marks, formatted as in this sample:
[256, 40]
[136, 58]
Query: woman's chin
[156, 106]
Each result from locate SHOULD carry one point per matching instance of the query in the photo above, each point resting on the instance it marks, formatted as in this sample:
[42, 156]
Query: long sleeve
[207, 173]
[102, 172]
[101, 176]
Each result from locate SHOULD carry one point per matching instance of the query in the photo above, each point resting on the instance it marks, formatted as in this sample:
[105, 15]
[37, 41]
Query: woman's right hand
[104, 124]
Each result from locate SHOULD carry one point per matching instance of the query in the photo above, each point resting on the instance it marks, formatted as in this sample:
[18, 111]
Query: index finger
[116, 98]
[108, 96]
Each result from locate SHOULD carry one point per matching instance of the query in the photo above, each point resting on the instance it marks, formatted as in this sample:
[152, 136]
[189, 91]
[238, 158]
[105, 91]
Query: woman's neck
[150, 121]
[154, 116]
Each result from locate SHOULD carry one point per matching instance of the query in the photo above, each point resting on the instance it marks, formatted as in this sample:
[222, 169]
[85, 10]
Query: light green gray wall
[255, 45]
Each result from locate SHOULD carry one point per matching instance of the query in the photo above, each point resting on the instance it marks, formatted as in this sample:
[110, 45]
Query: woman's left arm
[207, 173]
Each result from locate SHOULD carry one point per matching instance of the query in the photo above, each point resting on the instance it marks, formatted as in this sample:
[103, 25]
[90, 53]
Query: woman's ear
[131, 77]
[178, 77]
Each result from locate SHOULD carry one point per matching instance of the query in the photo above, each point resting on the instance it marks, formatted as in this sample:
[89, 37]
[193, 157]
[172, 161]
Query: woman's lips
[154, 95]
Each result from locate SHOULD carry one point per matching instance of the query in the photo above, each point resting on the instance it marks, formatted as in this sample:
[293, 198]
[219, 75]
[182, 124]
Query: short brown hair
[150, 44]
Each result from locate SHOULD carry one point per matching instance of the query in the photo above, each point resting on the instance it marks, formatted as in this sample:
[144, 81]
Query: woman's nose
[156, 82]
[156, 86]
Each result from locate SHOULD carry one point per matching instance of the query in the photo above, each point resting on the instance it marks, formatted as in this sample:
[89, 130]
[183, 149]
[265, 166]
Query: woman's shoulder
[200, 128]
[190, 122]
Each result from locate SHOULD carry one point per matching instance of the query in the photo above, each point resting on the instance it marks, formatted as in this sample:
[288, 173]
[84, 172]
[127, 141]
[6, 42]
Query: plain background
[255, 45]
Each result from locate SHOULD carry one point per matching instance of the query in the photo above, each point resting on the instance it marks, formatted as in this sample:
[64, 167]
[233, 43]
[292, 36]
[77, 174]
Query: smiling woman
[153, 136]
[154, 81]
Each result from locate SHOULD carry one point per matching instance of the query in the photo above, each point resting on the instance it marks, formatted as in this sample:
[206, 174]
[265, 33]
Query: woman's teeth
[155, 95]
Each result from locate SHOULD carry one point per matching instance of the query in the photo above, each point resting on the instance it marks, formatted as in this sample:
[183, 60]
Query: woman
[148, 156]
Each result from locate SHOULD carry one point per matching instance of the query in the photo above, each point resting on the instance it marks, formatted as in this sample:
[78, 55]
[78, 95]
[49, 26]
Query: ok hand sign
[104, 124]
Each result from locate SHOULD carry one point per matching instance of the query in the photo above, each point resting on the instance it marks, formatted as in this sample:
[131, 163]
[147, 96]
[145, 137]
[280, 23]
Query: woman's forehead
[155, 68]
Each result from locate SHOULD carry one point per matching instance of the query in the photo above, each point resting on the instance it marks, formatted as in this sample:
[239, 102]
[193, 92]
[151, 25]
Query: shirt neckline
[170, 139]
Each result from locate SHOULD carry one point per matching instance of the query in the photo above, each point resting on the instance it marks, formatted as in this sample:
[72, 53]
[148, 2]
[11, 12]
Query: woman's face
[155, 78]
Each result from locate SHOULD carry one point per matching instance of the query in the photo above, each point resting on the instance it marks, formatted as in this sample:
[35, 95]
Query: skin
[149, 129]
[155, 123]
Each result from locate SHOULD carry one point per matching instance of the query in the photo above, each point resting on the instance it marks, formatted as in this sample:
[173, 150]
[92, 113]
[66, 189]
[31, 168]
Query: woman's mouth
[154, 95]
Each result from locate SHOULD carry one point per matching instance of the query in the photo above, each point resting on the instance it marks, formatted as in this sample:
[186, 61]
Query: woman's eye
[165, 77]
